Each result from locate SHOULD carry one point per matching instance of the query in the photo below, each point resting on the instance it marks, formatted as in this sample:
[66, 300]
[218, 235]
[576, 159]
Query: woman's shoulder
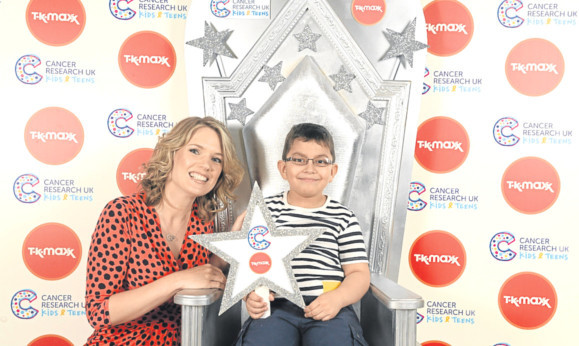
[127, 203]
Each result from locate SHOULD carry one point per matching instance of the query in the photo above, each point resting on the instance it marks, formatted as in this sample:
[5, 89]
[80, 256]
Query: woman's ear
[281, 167]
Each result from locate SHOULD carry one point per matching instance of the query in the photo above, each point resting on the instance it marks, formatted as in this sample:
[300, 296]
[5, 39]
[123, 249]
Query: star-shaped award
[343, 79]
[403, 44]
[259, 254]
[239, 111]
[372, 115]
[213, 43]
[272, 75]
[307, 39]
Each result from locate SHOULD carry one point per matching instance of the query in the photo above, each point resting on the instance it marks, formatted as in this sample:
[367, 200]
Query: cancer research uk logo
[451, 81]
[448, 312]
[506, 132]
[449, 27]
[504, 247]
[56, 22]
[29, 188]
[147, 59]
[26, 304]
[147, 9]
[515, 13]
[30, 70]
[530, 185]
[437, 258]
[527, 300]
[440, 197]
[442, 145]
[244, 9]
[123, 124]
[130, 171]
[535, 67]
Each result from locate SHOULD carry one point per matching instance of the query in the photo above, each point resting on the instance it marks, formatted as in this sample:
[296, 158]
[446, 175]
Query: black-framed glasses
[319, 161]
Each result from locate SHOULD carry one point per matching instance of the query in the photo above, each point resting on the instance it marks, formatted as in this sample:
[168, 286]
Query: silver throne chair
[368, 126]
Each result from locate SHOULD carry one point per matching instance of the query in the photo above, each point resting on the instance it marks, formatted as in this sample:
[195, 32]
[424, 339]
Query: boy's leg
[280, 329]
[344, 329]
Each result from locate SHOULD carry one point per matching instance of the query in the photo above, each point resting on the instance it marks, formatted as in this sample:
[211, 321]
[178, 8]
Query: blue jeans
[288, 326]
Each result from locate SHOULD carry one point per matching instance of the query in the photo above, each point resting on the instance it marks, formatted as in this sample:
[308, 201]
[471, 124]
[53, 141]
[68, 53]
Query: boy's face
[309, 181]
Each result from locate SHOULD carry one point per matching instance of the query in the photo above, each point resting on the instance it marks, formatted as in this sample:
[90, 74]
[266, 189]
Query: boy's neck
[306, 202]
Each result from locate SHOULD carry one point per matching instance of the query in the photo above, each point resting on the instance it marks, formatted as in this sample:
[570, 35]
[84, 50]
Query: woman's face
[198, 164]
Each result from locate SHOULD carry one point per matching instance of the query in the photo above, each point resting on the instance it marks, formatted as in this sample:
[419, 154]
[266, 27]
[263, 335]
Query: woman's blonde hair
[159, 167]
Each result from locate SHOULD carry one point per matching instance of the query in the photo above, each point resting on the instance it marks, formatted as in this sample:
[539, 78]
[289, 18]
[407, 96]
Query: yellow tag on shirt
[330, 285]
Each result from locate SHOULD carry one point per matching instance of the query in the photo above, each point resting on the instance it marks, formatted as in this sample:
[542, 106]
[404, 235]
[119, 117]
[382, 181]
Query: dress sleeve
[107, 262]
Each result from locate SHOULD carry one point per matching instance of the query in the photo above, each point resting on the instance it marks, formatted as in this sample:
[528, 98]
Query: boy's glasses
[320, 161]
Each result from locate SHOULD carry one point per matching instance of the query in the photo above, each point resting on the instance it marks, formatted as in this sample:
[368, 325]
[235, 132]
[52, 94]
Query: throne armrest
[389, 313]
[193, 303]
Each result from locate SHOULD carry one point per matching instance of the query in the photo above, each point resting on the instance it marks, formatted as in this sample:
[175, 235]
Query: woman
[140, 253]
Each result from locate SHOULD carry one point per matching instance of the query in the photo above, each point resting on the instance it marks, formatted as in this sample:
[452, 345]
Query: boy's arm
[352, 289]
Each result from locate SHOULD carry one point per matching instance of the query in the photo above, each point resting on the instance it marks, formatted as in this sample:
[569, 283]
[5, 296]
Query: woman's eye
[217, 160]
[195, 151]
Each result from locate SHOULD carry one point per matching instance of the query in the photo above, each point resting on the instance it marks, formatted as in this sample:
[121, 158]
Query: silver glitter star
[239, 111]
[272, 75]
[343, 79]
[307, 39]
[372, 115]
[213, 43]
[235, 248]
[403, 44]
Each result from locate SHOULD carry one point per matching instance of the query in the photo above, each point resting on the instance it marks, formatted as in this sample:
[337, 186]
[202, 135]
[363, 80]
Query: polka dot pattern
[128, 251]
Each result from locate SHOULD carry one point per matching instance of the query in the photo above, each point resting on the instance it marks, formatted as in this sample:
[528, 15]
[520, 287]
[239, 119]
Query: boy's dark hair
[308, 132]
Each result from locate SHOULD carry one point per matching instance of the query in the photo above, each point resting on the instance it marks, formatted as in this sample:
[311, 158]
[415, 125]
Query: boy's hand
[323, 308]
[239, 222]
[255, 305]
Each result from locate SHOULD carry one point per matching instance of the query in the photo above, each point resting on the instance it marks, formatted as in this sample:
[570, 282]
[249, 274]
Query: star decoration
[213, 43]
[343, 79]
[250, 253]
[272, 75]
[239, 111]
[372, 115]
[307, 39]
[403, 44]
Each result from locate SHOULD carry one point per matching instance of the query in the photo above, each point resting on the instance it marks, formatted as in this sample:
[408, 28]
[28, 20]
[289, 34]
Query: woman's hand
[204, 276]
[255, 305]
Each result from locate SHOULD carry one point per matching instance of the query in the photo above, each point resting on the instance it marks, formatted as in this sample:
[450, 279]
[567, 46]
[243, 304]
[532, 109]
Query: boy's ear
[281, 168]
[333, 172]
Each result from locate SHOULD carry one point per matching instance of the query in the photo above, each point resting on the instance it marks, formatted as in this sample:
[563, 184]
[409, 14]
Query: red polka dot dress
[128, 251]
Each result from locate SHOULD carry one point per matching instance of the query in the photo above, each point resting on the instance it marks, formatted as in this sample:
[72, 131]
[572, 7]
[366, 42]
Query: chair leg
[192, 325]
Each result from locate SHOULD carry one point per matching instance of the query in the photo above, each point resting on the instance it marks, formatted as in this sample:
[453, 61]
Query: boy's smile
[307, 183]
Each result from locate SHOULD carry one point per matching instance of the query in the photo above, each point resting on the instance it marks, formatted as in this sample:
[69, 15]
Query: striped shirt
[318, 268]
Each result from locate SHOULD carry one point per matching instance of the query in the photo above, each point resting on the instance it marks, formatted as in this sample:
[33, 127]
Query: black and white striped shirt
[320, 264]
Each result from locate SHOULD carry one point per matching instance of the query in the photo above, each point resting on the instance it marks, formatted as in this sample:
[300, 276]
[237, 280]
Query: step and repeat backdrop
[87, 87]
[491, 240]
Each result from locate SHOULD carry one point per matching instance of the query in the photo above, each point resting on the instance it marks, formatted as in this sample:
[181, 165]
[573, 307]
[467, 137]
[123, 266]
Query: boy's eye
[298, 159]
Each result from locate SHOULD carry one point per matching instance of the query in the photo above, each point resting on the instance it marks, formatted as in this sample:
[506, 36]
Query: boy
[332, 272]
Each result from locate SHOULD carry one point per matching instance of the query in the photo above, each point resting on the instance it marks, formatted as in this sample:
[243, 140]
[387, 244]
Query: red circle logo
[260, 263]
[527, 300]
[530, 185]
[54, 135]
[442, 145]
[449, 27]
[51, 251]
[368, 12]
[130, 170]
[434, 343]
[55, 22]
[437, 258]
[535, 67]
[50, 340]
[147, 59]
